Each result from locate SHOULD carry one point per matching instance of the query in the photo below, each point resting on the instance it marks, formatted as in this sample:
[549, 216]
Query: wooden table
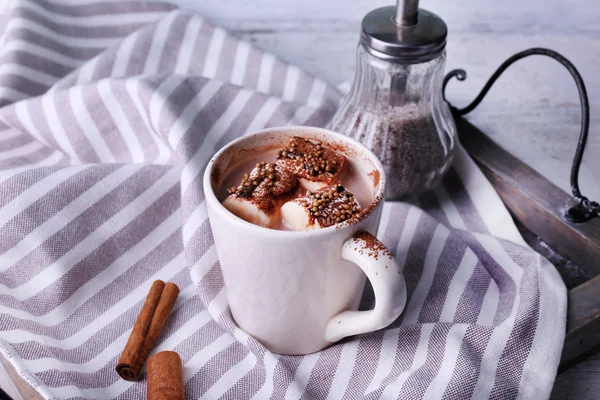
[532, 111]
[536, 96]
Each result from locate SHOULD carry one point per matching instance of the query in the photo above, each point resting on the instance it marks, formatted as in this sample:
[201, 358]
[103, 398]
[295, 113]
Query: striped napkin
[109, 112]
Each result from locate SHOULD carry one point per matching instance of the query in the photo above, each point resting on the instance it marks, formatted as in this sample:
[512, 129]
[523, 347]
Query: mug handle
[385, 276]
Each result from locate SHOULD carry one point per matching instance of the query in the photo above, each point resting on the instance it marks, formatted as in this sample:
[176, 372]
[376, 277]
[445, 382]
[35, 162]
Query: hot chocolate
[302, 186]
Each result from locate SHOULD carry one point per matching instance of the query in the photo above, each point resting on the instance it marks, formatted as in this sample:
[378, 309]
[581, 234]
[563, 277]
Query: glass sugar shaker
[395, 106]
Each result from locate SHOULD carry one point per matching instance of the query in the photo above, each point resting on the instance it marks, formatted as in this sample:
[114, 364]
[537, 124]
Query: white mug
[298, 292]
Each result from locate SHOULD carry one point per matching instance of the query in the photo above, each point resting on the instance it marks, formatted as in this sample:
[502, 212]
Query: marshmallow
[297, 218]
[314, 165]
[326, 207]
[259, 194]
[250, 211]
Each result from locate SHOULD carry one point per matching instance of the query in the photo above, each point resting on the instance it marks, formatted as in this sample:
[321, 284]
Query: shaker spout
[407, 12]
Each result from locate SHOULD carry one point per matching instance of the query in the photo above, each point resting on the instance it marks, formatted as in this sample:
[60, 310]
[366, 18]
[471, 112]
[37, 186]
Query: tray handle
[585, 209]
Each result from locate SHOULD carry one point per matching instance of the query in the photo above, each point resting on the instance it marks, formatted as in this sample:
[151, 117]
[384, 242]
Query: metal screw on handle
[585, 209]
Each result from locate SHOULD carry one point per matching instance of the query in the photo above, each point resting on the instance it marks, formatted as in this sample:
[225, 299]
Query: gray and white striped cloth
[109, 111]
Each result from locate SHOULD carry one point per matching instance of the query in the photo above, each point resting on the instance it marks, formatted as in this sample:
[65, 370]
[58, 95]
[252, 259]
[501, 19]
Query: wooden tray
[538, 206]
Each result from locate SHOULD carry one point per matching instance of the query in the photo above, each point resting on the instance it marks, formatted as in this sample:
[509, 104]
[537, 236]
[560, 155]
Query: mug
[298, 292]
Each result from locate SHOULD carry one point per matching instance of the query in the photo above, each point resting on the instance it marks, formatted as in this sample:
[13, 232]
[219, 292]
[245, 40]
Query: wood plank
[571, 274]
[579, 382]
[533, 200]
[583, 323]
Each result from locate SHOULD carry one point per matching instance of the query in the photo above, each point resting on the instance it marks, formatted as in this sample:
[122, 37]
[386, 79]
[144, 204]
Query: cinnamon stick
[165, 377]
[147, 328]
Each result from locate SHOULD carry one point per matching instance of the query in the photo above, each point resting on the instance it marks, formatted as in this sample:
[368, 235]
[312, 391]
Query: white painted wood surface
[532, 111]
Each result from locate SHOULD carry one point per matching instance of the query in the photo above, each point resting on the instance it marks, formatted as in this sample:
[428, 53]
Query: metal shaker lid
[404, 33]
